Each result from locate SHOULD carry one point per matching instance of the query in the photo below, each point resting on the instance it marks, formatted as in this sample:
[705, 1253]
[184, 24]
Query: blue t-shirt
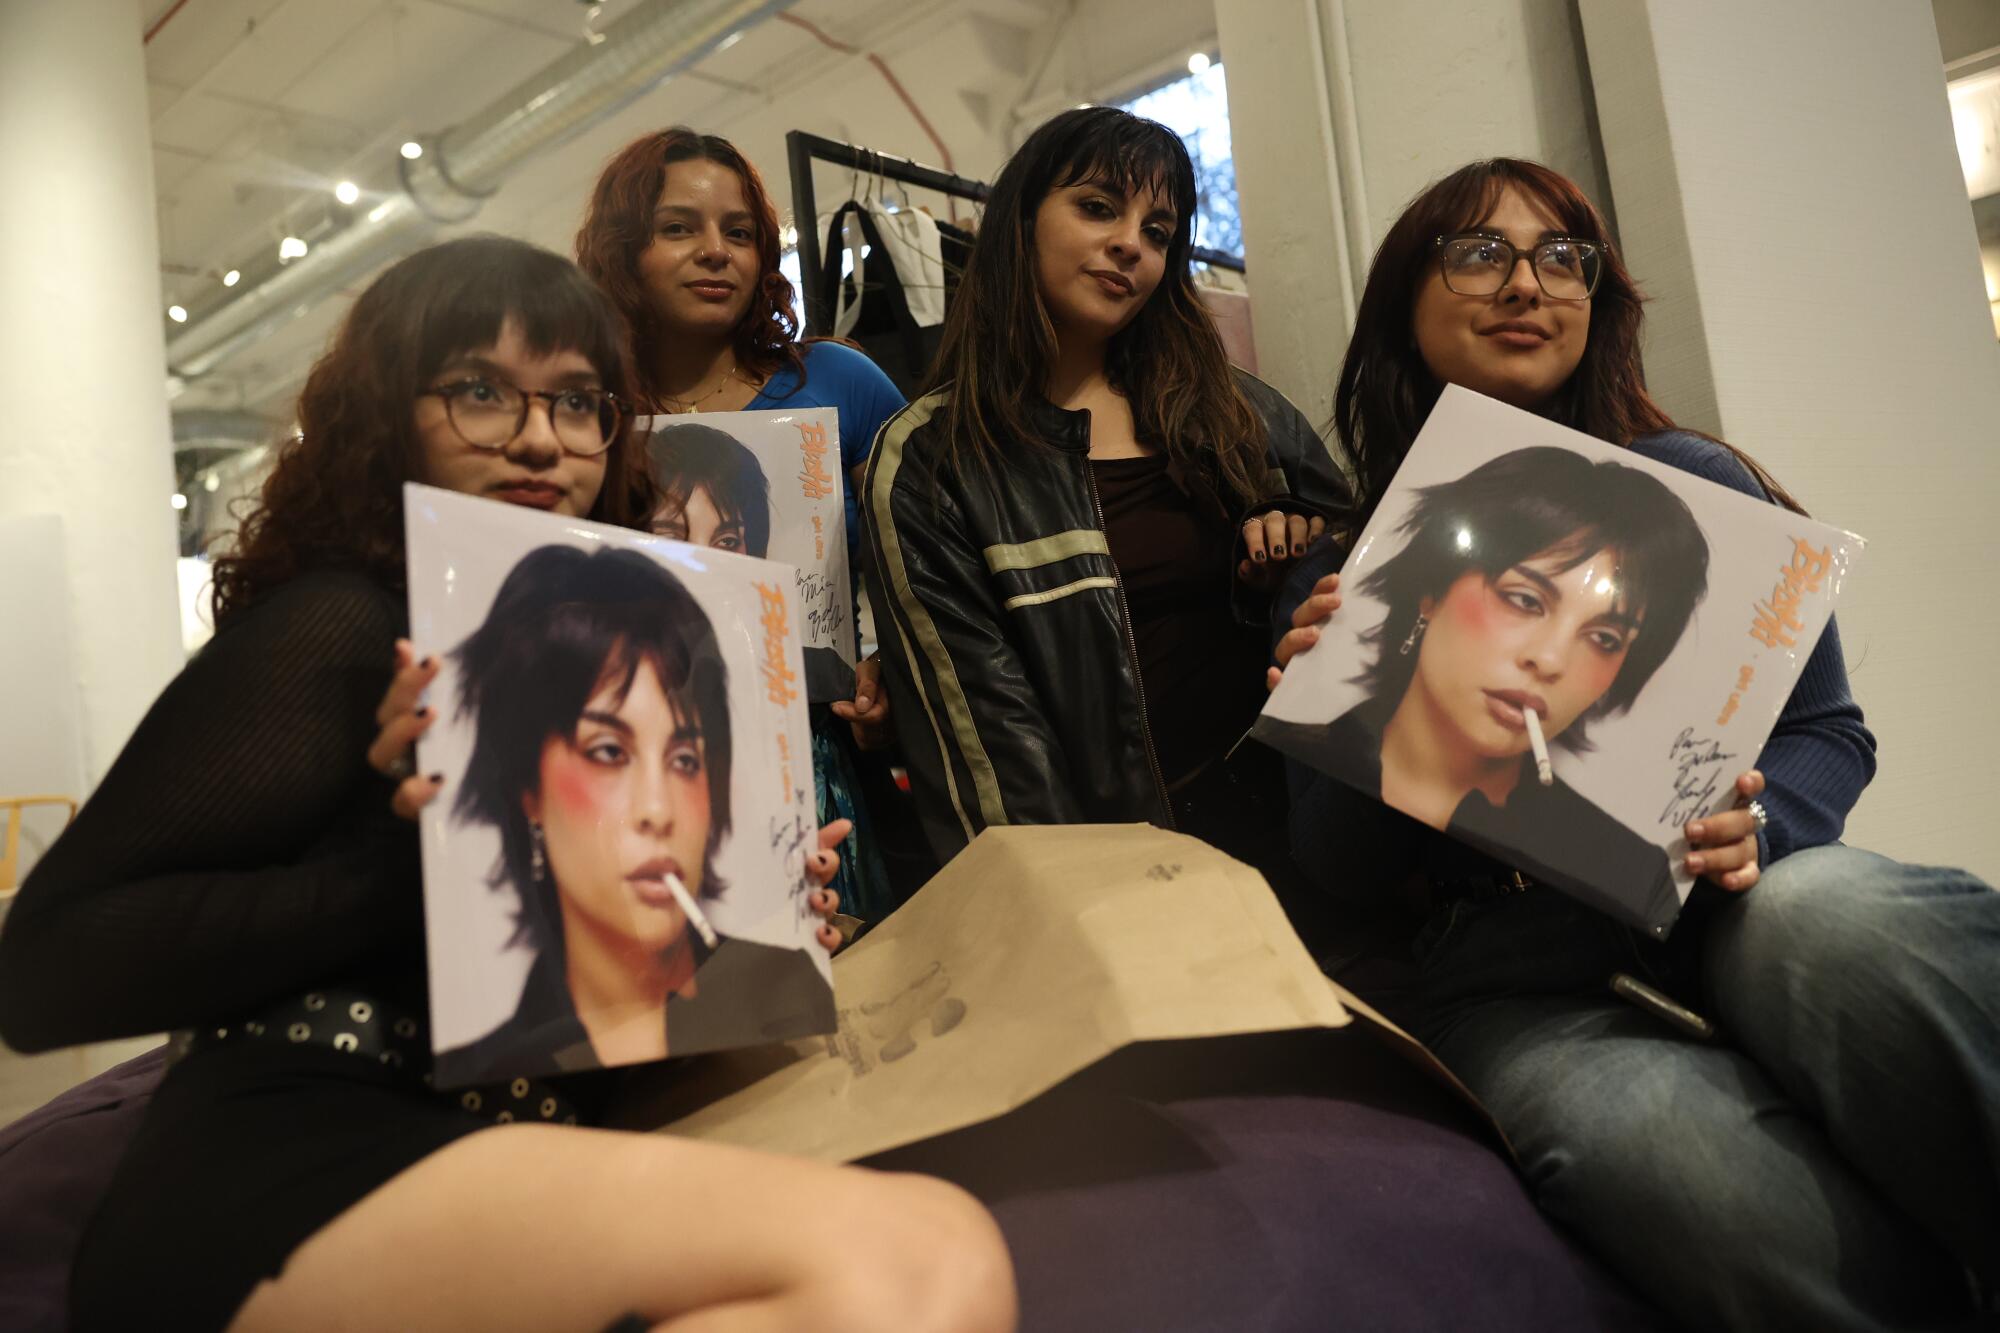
[839, 377]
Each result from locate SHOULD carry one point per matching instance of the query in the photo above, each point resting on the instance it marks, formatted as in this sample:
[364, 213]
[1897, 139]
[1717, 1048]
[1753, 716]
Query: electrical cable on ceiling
[162, 20]
[888, 75]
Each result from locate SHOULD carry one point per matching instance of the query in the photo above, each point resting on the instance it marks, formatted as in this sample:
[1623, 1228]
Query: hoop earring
[538, 858]
[1409, 646]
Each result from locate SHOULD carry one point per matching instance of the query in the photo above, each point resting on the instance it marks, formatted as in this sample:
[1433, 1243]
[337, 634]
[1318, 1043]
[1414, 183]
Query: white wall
[41, 739]
[82, 357]
[1789, 193]
[1343, 111]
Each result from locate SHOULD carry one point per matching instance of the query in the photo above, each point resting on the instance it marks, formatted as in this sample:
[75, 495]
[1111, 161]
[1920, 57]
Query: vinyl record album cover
[1520, 577]
[767, 484]
[615, 868]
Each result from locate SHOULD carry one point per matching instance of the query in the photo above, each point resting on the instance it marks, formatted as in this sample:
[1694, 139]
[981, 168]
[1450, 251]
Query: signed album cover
[614, 870]
[768, 484]
[1524, 589]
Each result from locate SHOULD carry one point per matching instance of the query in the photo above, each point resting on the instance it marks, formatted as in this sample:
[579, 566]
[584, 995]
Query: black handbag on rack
[886, 330]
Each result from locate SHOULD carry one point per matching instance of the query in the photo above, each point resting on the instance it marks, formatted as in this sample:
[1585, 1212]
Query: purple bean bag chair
[54, 1163]
[1297, 1181]
[1304, 1181]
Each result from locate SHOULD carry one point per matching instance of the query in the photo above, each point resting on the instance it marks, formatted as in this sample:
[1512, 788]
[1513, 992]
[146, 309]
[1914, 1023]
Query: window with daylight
[1196, 107]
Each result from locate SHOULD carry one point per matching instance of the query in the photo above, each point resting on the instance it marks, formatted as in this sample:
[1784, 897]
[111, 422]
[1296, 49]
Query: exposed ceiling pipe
[464, 165]
[221, 428]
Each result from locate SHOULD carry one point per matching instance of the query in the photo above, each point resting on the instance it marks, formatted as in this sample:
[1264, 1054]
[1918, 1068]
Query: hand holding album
[1557, 651]
[621, 872]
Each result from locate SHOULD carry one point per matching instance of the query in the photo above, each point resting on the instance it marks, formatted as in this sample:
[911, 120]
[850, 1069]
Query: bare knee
[929, 1259]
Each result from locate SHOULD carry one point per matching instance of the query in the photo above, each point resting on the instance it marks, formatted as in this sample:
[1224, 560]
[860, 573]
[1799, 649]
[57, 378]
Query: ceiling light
[231, 278]
[347, 192]
[178, 314]
[381, 210]
[179, 501]
[291, 248]
[1198, 63]
[413, 150]
[211, 483]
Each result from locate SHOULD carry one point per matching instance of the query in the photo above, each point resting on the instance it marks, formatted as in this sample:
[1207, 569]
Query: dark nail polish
[1259, 557]
[437, 779]
[428, 663]
[424, 712]
[1277, 550]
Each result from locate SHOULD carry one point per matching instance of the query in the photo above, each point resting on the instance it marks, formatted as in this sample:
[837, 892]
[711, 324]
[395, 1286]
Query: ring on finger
[1756, 809]
[402, 767]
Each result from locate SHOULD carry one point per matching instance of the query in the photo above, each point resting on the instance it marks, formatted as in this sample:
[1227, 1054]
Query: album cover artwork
[768, 484]
[1560, 652]
[614, 871]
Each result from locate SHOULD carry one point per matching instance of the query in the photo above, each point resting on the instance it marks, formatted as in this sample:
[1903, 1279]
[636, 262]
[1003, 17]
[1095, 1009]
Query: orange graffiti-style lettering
[779, 678]
[813, 476]
[1775, 622]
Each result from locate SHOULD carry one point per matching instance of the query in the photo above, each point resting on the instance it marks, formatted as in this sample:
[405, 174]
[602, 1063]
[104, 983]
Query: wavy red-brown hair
[334, 500]
[619, 227]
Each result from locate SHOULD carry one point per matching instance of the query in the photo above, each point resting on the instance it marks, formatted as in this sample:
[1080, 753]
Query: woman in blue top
[1829, 1161]
[682, 235]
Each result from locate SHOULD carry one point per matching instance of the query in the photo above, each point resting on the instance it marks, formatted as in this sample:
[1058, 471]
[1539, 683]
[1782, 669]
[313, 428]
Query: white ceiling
[260, 106]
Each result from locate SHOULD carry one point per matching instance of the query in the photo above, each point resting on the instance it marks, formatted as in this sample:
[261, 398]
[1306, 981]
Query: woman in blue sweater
[1827, 1162]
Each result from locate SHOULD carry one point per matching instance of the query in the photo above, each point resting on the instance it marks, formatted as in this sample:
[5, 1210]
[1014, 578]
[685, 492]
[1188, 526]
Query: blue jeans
[1831, 1161]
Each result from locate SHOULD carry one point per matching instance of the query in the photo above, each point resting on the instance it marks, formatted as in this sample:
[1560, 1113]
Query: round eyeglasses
[491, 414]
[1477, 265]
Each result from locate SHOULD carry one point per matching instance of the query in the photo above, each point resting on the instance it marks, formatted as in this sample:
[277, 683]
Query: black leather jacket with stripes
[1009, 659]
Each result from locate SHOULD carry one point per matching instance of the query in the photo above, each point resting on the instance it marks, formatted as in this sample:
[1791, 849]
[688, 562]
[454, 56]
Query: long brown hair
[999, 344]
[1386, 389]
[335, 498]
[619, 227]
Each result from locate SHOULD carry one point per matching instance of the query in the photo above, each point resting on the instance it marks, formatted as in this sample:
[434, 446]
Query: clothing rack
[803, 149]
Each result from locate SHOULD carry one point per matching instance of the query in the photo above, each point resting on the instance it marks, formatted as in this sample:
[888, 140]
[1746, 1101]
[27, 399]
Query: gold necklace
[680, 405]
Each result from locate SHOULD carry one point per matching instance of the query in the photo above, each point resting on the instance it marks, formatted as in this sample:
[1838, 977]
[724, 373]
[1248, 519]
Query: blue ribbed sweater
[1818, 759]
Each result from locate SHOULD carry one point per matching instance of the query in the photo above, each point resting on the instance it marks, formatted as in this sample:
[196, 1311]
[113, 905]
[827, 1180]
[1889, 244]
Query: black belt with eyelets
[357, 1025]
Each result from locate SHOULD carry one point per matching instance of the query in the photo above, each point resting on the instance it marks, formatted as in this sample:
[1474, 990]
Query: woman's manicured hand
[1304, 633]
[1271, 542]
[868, 714]
[1722, 848]
[402, 721]
[821, 867]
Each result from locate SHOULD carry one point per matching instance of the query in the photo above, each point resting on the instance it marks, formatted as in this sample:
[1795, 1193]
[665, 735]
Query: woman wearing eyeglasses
[1829, 1161]
[238, 876]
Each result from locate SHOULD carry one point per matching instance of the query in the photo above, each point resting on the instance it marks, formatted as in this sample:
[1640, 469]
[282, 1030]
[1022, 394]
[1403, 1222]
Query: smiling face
[1517, 345]
[700, 270]
[1099, 256]
[533, 469]
[1538, 636]
[623, 800]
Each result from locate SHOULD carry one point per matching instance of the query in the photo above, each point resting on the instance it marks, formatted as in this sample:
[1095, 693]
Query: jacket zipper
[1132, 653]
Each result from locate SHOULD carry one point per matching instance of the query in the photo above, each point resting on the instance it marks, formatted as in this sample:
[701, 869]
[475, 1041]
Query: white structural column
[1790, 196]
[85, 434]
[1341, 112]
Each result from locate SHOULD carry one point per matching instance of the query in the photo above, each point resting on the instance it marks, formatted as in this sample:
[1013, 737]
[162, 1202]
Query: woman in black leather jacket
[1072, 533]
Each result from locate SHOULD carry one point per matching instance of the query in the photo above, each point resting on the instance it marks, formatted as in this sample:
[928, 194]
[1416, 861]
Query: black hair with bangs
[1546, 501]
[565, 624]
[999, 343]
[688, 456]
